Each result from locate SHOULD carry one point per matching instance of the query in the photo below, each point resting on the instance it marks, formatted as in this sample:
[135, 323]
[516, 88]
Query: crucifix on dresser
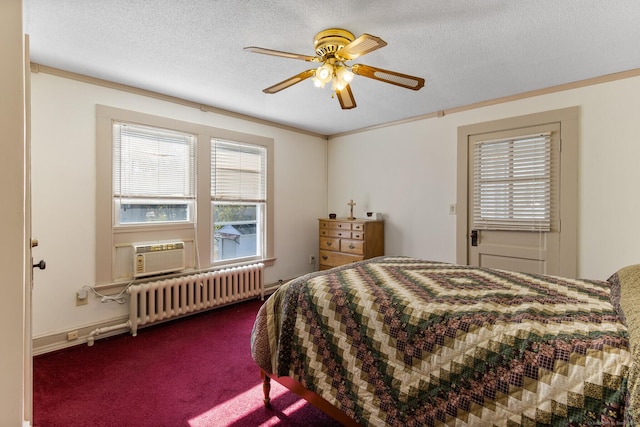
[351, 205]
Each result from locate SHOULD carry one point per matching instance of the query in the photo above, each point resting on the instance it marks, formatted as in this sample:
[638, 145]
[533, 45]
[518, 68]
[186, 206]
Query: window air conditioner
[156, 258]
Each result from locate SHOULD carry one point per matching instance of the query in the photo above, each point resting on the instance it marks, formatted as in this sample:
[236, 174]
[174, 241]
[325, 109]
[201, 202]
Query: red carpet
[191, 372]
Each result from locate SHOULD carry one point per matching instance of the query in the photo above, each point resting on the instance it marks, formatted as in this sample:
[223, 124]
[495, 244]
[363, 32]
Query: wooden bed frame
[311, 397]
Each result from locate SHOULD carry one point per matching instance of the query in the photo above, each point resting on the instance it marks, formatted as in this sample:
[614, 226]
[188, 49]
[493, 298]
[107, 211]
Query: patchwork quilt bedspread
[405, 342]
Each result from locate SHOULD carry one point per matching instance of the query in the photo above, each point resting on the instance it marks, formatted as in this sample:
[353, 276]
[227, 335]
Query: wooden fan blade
[345, 96]
[289, 55]
[290, 81]
[393, 77]
[361, 46]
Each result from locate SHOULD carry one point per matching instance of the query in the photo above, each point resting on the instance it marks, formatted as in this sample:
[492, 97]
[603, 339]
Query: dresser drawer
[334, 259]
[330, 243]
[352, 246]
[340, 225]
[336, 232]
[343, 234]
[357, 235]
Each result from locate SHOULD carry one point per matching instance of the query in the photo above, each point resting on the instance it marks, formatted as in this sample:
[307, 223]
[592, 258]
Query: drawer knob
[324, 257]
[351, 246]
[328, 243]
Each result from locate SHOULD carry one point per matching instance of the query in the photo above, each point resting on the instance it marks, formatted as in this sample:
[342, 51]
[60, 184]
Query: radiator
[165, 299]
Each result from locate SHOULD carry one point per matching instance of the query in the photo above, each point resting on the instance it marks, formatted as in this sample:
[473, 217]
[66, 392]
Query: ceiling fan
[334, 47]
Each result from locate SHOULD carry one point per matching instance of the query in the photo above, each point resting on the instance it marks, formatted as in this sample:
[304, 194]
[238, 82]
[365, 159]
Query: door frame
[568, 209]
[29, 244]
[15, 360]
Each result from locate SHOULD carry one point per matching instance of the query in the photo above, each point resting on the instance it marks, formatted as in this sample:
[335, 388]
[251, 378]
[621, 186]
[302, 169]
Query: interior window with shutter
[153, 175]
[512, 184]
[238, 197]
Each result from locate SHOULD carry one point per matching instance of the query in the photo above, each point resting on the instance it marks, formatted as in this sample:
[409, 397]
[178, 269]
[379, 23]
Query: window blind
[238, 171]
[153, 162]
[512, 184]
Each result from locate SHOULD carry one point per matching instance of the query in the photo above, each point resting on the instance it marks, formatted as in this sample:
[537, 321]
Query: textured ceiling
[467, 50]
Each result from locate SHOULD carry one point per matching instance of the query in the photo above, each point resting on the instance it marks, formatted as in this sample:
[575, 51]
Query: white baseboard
[58, 340]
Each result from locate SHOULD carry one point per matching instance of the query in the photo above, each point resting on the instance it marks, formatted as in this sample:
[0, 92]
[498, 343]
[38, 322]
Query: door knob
[474, 237]
[41, 265]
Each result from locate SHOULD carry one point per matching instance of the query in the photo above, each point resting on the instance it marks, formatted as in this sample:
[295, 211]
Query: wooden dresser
[343, 241]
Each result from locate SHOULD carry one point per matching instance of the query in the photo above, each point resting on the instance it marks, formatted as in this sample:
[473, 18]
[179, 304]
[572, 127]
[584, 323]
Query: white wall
[408, 172]
[64, 180]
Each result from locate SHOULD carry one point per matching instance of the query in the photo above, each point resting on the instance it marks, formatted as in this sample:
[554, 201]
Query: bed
[400, 341]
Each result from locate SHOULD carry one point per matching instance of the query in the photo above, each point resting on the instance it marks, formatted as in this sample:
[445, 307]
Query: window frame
[133, 193]
[113, 242]
[247, 165]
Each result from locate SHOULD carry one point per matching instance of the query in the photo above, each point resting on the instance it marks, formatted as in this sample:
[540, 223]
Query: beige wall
[13, 360]
[407, 172]
[64, 181]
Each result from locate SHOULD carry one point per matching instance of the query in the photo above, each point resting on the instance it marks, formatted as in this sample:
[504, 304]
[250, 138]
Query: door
[538, 247]
[522, 245]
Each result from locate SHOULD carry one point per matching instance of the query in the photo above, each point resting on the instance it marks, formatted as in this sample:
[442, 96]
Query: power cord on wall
[120, 298]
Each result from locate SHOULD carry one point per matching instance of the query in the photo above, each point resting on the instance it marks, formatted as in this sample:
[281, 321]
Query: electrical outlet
[82, 297]
[312, 259]
[73, 335]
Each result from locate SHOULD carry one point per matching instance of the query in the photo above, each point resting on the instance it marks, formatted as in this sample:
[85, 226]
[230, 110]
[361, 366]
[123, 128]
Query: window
[512, 183]
[153, 175]
[238, 198]
[160, 179]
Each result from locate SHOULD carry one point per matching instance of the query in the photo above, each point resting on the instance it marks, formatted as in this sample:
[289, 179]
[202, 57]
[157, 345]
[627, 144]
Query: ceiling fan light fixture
[344, 74]
[337, 85]
[324, 73]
